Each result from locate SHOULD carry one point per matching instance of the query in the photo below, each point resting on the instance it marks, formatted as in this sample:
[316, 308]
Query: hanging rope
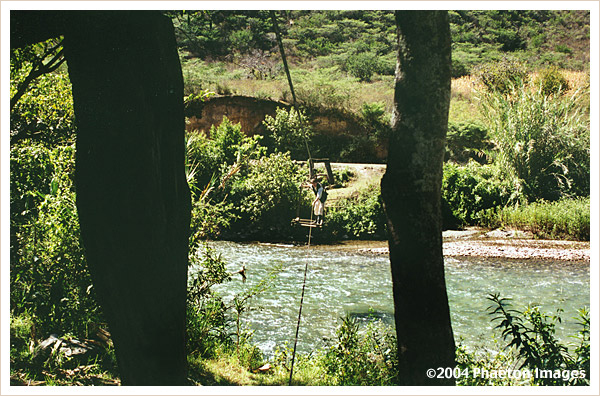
[301, 300]
[289, 77]
[295, 103]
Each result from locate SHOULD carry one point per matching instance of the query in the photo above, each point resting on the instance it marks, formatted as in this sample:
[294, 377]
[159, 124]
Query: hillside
[343, 62]
[362, 44]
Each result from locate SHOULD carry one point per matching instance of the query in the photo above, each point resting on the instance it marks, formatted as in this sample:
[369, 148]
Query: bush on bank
[470, 192]
[359, 216]
[479, 195]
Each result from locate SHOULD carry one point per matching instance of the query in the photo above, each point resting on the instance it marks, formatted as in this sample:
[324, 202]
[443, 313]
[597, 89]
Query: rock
[381, 250]
[500, 233]
[60, 348]
[42, 352]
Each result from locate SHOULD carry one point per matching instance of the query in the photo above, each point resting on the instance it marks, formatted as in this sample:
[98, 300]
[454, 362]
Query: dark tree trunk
[132, 196]
[411, 191]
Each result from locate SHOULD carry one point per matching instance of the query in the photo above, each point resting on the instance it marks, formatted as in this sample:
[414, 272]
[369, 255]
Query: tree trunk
[411, 192]
[132, 196]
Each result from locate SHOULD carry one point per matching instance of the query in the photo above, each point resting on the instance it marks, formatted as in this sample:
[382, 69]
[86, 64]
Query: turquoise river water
[341, 283]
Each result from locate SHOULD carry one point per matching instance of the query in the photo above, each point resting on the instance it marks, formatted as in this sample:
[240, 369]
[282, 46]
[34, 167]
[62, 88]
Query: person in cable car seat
[319, 202]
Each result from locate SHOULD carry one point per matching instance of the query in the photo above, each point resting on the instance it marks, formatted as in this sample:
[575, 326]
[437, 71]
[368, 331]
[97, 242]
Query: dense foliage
[241, 192]
[470, 192]
[51, 291]
[364, 357]
[529, 343]
[41, 102]
[537, 37]
[49, 277]
[341, 59]
[467, 141]
[344, 60]
[534, 142]
[213, 33]
[480, 195]
[357, 217]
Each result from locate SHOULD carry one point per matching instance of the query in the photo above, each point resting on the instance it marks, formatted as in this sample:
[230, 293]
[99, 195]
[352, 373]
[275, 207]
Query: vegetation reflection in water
[341, 283]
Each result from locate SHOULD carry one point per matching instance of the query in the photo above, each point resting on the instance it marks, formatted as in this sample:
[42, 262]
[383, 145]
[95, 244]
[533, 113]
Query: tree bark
[411, 192]
[132, 196]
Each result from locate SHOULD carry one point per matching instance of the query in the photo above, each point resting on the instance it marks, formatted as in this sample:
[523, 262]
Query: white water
[341, 283]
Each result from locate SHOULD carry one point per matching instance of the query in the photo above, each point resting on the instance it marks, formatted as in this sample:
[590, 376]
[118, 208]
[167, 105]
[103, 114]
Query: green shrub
[315, 46]
[466, 141]
[509, 39]
[45, 111]
[208, 157]
[267, 195]
[211, 217]
[227, 140]
[216, 327]
[288, 131]
[365, 143]
[503, 76]
[31, 170]
[375, 120]
[362, 65]
[362, 358]
[325, 88]
[238, 191]
[551, 81]
[471, 191]
[565, 49]
[207, 324]
[358, 216]
[532, 335]
[481, 360]
[241, 40]
[21, 335]
[460, 67]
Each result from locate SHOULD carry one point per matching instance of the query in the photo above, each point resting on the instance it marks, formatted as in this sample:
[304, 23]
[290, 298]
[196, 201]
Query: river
[346, 282]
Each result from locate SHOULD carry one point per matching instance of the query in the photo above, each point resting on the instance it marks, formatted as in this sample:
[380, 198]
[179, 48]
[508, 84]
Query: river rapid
[344, 282]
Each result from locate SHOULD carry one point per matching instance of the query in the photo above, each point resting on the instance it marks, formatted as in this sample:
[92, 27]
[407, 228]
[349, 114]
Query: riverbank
[477, 242]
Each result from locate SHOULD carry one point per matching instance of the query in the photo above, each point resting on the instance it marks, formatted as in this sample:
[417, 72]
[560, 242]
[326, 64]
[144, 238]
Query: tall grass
[464, 87]
[543, 141]
[564, 219]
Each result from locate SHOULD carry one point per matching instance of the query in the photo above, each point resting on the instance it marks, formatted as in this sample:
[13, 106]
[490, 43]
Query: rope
[301, 299]
[289, 77]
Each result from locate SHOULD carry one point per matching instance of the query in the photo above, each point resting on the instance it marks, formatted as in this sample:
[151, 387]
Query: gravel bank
[503, 244]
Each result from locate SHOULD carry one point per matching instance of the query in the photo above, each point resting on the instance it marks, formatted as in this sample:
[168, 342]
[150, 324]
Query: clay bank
[331, 127]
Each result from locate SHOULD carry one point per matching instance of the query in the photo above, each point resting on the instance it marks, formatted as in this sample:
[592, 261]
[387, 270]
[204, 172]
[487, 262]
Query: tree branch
[39, 69]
